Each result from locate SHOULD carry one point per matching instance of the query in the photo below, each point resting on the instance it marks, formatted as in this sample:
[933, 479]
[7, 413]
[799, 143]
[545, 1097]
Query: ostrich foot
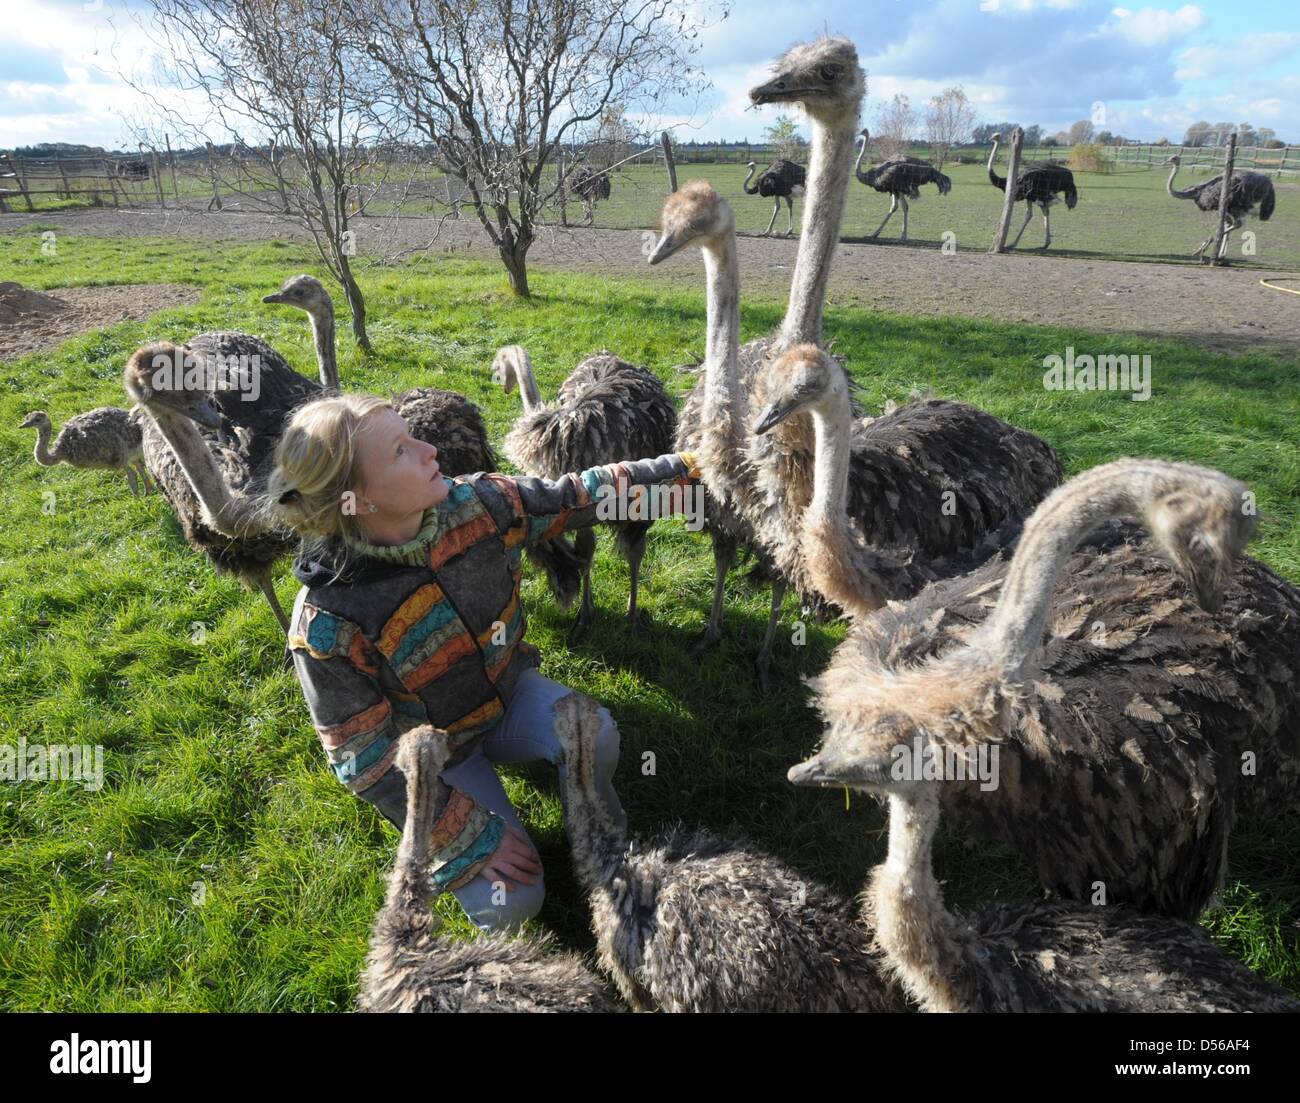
[704, 641]
[580, 628]
[638, 622]
[764, 669]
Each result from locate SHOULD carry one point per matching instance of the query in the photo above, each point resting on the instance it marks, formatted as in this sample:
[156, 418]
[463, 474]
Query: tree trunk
[514, 254]
[356, 303]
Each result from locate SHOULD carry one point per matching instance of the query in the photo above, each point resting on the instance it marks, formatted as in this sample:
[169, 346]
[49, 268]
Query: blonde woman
[410, 614]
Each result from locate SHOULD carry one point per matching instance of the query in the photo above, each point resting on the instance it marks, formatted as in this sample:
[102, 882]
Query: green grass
[213, 774]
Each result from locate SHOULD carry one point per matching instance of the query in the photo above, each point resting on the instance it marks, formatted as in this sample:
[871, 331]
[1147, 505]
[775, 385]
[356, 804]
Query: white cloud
[1247, 52]
[1154, 26]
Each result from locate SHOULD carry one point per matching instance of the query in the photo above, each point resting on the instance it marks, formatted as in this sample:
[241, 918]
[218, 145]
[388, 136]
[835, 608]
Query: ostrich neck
[921, 937]
[745, 183]
[528, 392]
[1067, 515]
[322, 330]
[597, 845]
[43, 455]
[857, 165]
[828, 182]
[1000, 181]
[222, 510]
[1175, 192]
[722, 396]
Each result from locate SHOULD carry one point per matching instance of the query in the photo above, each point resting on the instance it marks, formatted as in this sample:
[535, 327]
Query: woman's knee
[494, 908]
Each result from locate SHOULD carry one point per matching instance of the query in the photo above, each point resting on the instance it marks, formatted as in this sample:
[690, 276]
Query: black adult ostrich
[1038, 182]
[901, 177]
[781, 179]
[1249, 190]
[590, 184]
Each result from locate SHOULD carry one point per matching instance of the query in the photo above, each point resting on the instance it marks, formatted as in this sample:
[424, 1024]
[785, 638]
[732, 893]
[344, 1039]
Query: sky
[1144, 71]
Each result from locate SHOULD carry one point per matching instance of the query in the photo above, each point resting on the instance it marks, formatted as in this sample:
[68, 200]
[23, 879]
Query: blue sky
[1155, 67]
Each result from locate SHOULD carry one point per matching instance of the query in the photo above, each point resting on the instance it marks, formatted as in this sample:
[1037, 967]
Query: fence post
[1225, 190]
[112, 182]
[1009, 200]
[563, 188]
[157, 177]
[668, 160]
[171, 160]
[17, 164]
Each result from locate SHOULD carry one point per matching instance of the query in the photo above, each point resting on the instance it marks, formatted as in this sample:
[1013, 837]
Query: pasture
[221, 866]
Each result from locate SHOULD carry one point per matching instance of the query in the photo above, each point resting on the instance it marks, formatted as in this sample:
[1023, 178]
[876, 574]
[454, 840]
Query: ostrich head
[161, 377]
[37, 419]
[507, 366]
[823, 75]
[802, 378]
[1175, 159]
[697, 213]
[305, 292]
[996, 136]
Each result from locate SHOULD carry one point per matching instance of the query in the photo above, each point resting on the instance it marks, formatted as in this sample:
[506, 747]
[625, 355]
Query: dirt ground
[1226, 309]
[35, 320]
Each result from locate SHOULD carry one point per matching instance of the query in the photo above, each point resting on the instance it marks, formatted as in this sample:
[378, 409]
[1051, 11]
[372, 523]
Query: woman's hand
[514, 862]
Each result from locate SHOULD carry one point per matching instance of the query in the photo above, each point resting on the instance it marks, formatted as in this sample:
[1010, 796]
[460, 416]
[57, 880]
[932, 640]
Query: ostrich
[211, 488]
[590, 185]
[102, 437]
[781, 179]
[904, 466]
[607, 410]
[1023, 957]
[1249, 190]
[693, 922]
[410, 969]
[826, 78]
[901, 177]
[445, 419]
[1038, 182]
[1122, 731]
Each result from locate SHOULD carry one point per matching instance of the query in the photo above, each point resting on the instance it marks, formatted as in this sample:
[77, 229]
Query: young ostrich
[825, 77]
[211, 488]
[445, 419]
[781, 179]
[1038, 182]
[1123, 742]
[1249, 190]
[693, 922]
[103, 437]
[590, 185]
[929, 482]
[901, 177]
[606, 411]
[1031, 957]
[410, 969]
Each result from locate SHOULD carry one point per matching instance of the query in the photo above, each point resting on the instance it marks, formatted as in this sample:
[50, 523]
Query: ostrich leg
[143, 472]
[1029, 213]
[903, 199]
[893, 206]
[584, 542]
[130, 481]
[763, 663]
[789, 202]
[724, 557]
[776, 210]
[1047, 225]
[635, 550]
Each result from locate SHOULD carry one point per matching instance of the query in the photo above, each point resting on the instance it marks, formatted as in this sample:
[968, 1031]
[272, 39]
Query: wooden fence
[122, 180]
[1257, 158]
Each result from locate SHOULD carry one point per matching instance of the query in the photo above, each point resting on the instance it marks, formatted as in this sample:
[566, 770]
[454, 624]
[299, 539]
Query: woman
[410, 614]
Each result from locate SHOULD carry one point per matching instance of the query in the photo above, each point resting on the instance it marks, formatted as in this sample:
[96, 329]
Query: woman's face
[399, 474]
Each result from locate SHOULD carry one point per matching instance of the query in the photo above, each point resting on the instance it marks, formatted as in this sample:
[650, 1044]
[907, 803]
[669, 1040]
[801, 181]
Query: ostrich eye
[829, 73]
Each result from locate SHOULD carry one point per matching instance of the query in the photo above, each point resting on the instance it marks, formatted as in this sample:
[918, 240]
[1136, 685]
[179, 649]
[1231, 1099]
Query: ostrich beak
[775, 414]
[205, 414]
[829, 769]
[667, 245]
[278, 297]
[780, 89]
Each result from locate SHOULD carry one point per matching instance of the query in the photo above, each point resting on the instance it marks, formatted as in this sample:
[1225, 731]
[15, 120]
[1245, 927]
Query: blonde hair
[316, 464]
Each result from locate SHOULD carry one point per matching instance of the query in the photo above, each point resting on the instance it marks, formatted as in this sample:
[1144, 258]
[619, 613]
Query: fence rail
[1257, 158]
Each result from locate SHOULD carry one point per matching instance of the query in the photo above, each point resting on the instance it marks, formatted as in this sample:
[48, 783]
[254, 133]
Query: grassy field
[215, 784]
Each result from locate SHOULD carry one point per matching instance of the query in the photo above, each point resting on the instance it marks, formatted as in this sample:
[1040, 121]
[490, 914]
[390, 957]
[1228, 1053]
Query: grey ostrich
[212, 488]
[1250, 190]
[1039, 182]
[825, 77]
[445, 419]
[693, 922]
[590, 185]
[930, 482]
[104, 437]
[1121, 709]
[1023, 957]
[607, 410]
[901, 178]
[409, 968]
[781, 179]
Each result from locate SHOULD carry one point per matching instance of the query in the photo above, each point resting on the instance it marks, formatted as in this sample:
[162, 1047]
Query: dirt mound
[16, 300]
[34, 320]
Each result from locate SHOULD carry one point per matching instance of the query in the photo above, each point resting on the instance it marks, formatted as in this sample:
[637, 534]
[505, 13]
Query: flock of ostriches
[1126, 755]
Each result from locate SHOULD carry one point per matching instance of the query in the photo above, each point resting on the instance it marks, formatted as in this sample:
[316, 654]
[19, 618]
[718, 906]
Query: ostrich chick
[104, 437]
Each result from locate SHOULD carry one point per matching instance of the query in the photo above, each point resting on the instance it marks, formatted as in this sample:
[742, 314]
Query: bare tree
[895, 124]
[784, 138]
[498, 87]
[1080, 133]
[949, 118]
[290, 102]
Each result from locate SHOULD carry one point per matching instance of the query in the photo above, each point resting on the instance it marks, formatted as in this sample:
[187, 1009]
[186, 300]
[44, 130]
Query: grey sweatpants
[525, 734]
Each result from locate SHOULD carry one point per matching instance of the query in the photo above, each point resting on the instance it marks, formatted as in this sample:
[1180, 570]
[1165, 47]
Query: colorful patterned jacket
[432, 631]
